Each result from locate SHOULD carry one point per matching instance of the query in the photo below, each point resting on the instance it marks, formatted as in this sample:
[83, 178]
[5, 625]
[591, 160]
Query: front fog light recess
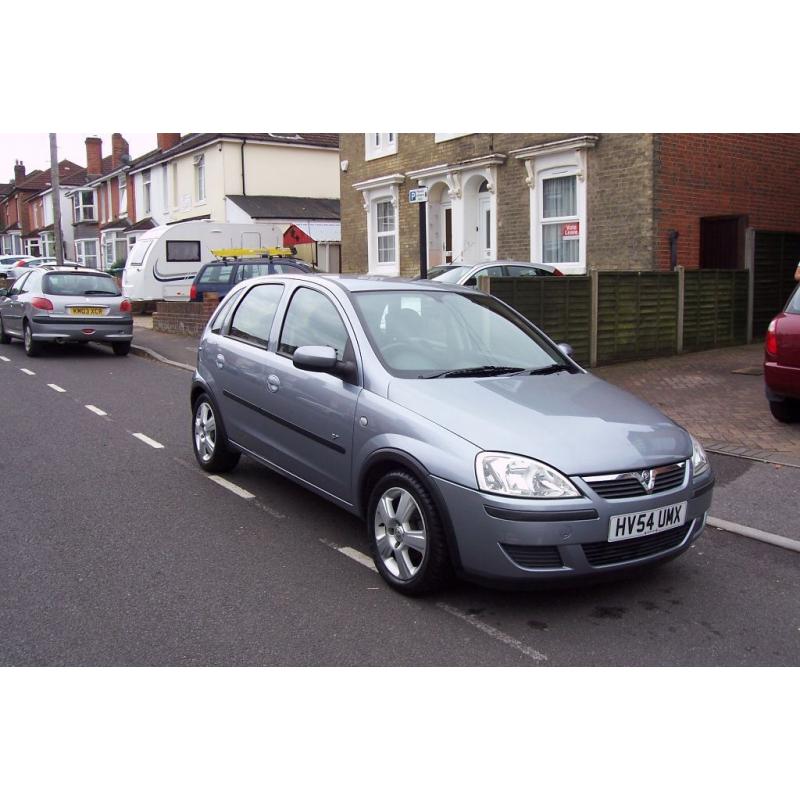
[518, 476]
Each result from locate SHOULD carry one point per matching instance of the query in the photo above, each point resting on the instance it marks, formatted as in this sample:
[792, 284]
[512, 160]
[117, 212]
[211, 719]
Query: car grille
[534, 556]
[599, 554]
[627, 484]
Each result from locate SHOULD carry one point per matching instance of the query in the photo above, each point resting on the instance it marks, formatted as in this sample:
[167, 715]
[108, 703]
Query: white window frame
[147, 189]
[165, 187]
[446, 137]
[47, 244]
[199, 162]
[81, 256]
[378, 190]
[174, 182]
[378, 145]
[122, 184]
[37, 218]
[557, 160]
[79, 207]
[385, 267]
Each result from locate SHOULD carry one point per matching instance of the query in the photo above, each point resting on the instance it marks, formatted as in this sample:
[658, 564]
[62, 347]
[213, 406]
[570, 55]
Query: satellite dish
[125, 158]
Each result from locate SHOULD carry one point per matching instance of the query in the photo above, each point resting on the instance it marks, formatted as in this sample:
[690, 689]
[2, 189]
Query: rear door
[12, 309]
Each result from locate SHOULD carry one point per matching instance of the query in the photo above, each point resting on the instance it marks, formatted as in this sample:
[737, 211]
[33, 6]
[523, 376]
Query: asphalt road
[114, 552]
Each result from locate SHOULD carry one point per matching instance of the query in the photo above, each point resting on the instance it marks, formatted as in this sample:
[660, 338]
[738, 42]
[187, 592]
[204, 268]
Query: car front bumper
[505, 540]
[100, 329]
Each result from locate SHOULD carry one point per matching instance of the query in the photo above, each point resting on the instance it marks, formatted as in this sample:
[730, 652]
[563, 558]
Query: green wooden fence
[637, 314]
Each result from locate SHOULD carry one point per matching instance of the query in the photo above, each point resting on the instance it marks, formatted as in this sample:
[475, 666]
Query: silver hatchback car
[60, 304]
[467, 440]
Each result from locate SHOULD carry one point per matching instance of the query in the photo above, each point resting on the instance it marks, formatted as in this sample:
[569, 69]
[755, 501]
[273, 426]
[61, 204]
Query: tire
[4, 337]
[213, 453]
[785, 410]
[401, 515]
[121, 348]
[32, 347]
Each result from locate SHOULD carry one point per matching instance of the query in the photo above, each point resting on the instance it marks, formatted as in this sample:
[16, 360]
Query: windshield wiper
[549, 369]
[485, 370]
[100, 291]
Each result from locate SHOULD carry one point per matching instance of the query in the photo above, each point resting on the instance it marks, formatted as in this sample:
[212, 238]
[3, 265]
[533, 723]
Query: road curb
[146, 352]
[755, 533]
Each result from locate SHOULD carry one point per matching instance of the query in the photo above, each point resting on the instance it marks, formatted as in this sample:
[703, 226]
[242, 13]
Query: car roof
[72, 270]
[496, 263]
[353, 283]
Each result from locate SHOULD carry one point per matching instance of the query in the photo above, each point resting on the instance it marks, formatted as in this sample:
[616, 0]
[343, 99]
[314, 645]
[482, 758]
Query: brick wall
[188, 319]
[619, 195]
[706, 175]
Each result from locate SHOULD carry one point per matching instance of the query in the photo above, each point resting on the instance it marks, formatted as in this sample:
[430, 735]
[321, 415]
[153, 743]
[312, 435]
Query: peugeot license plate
[644, 523]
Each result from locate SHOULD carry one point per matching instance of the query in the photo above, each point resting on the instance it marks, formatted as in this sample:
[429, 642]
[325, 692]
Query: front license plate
[86, 311]
[643, 523]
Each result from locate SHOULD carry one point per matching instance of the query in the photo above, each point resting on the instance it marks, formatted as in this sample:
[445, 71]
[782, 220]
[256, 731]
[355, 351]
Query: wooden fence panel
[715, 308]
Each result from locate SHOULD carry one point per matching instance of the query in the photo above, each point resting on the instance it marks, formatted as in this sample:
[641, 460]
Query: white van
[164, 260]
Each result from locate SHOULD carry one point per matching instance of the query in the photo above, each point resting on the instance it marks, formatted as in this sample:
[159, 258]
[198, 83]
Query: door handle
[220, 360]
[273, 383]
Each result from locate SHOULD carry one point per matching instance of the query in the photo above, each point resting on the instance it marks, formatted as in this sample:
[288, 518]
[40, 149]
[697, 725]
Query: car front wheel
[406, 535]
[785, 410]
[211, 448]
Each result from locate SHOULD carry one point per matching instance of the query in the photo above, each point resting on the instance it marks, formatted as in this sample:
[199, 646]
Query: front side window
[560, 224]
[312, 319]
[183, 250]
[386, 232]
[199, 178]
[139, 252]
[86, 252]
[424, 334]
[253, 317]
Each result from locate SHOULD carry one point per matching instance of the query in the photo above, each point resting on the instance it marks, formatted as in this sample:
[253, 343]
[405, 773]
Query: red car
[782, 362]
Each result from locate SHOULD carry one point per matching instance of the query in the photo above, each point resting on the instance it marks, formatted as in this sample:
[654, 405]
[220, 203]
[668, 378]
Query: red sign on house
[571, 230]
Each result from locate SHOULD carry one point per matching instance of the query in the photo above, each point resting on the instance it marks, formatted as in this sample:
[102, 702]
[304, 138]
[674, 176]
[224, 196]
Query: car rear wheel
[406, 535]
[211, 448]
[32, 347]
[121, 348]
[4, 337]
[785, 410]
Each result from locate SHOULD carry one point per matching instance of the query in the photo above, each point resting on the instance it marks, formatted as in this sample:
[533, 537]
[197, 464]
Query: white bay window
[83, 207]
[86, 252]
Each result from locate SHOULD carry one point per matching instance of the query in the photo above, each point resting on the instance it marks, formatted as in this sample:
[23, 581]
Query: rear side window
[793, 306]
[253, 317]
[312, 319]
[183, 250]
[247, 271]
[284, 267]
[68, 283]
[216, 273]
[526, 272]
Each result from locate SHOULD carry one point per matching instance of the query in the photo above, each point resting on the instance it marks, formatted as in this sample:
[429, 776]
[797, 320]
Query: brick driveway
[726, 410]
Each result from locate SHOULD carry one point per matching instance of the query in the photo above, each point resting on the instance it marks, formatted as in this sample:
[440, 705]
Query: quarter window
[253, 318]
[312, 320]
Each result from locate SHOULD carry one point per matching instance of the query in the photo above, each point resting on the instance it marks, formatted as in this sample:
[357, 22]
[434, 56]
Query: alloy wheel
[400, 533]
[205, 431]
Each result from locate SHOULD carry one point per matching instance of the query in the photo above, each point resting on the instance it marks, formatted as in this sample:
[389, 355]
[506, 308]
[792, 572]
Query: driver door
[13, 307]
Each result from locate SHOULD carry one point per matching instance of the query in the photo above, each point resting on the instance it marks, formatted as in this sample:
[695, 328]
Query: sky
[33, 149]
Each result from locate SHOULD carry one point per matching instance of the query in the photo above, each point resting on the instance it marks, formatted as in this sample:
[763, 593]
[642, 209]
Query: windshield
[136, 257]
[419, 334]
[70, 283]
[451, 275]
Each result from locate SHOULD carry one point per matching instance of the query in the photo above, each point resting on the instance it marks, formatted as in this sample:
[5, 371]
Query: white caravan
[164, 260]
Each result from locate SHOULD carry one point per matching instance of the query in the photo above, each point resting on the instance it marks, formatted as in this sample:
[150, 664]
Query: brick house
[609, 201]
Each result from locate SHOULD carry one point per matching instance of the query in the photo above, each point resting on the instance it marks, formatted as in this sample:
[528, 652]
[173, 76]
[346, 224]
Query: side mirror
[566, 349]
[312, 358]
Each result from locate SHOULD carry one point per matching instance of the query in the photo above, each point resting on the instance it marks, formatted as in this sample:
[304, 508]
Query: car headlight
[517, 476]
[699, 458]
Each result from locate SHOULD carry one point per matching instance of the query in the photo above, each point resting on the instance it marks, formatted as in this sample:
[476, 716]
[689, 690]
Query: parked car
[222, 275]
[782, 362]
[9, 262]
[468, 274]
[22, 267]
[65, 305]
[466, 439]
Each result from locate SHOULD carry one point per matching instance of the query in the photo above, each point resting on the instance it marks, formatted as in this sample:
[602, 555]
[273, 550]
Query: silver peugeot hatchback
[60, 304]
[467, 440]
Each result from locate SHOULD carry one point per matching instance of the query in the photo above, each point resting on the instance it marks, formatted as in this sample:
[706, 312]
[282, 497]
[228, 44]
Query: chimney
[19, 172]
[119, 147]
[167, 140]
[94, 155]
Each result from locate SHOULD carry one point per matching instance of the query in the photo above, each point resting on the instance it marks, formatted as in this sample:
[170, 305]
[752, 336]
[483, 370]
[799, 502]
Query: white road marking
[231, 487]
[365, 561]
[3, 358]
[147, 440]
[26, 371]
[56, 388]
[96, 410]
[535, 655]
[755, 533]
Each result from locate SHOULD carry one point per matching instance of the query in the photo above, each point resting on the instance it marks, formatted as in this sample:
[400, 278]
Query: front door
[447, 233]
[314, 412]
[485, 242]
